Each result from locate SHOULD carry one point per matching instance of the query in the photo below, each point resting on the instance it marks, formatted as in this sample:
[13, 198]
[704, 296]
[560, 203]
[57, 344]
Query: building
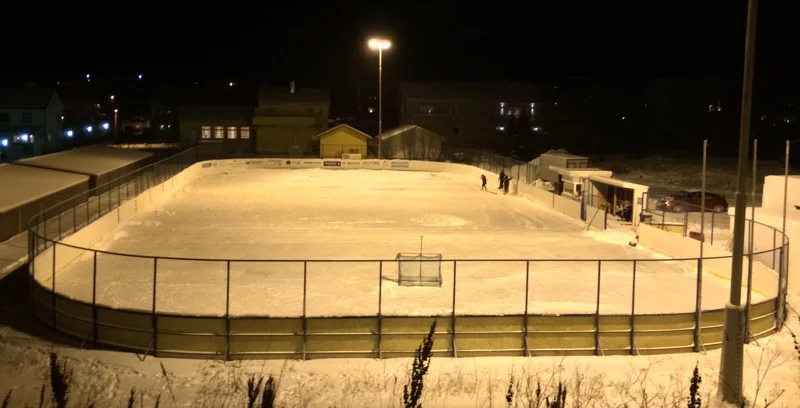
[30, 122]
[410, 142]
[287, 119]
[468, 114]
[230, 127]
[341, 140]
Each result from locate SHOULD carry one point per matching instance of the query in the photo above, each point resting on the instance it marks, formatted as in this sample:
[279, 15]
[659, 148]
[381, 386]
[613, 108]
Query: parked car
[689, 201]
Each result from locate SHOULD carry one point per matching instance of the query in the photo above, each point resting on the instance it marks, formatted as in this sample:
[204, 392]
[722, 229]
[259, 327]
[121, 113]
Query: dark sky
[323, 43]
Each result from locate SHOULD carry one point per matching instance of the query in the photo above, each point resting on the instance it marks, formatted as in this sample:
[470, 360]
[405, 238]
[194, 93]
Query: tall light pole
[730, 366]
[380, 44]
[115, 125]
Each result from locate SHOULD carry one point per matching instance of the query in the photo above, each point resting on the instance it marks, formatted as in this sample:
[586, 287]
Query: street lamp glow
[112, 98]
[379, 44]
[139, 77]
[88, 129]
[4, 142]
[105, 125]
[115, 110]
[70, 133]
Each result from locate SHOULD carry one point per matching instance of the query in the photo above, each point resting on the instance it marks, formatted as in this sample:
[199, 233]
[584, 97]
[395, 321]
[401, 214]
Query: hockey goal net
[419, 269]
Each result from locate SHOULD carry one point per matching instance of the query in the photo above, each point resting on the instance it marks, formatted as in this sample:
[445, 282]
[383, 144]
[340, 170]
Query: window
[219, 132]
[27, 117]
[244, 132]
[205, 132]
[231, 132]
[4, 117]
[426, 109]
[456, 131]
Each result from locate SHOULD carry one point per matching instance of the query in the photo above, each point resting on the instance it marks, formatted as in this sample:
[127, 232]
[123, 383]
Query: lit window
[533, 109]
[501, 128]
[205, 132]
[219, 132]
[231, 132]
[244, 132]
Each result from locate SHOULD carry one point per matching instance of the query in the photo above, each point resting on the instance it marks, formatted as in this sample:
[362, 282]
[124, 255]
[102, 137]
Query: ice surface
[344, 222]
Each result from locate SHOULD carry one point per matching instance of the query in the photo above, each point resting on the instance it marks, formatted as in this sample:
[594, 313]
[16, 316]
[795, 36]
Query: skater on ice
[502, 179]
[506, 182]
[483, 182]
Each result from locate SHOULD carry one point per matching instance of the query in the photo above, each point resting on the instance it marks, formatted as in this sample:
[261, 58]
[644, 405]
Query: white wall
[91, 234]
[773, 192]
[765, 279]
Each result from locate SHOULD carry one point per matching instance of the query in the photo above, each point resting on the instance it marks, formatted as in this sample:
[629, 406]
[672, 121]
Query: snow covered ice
[343, 222]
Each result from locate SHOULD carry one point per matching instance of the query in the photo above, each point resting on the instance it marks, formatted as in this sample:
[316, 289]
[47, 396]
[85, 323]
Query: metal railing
[152, 295]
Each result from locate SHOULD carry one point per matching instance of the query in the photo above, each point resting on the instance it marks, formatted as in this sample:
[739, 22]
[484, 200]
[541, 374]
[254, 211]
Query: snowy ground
[321, 214]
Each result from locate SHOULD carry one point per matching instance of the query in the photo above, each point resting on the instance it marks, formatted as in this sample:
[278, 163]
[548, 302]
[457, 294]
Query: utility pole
[731, 362]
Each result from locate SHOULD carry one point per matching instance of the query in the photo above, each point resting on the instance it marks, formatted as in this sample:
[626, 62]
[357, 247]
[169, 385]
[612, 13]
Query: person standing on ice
[502, 179]
[483, 182]
[506, 182]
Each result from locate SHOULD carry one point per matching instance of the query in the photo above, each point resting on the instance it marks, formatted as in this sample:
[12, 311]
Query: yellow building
[287, 118]
[342, 139]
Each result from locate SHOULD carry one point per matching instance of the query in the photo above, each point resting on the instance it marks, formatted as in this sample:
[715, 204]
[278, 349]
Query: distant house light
[88, 129]
[501, 128]
[4, 142]
[69, 133]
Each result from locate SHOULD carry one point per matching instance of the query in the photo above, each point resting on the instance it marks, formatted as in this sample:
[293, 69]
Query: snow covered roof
[406, 129]
[91, 160]
[581, 172]
[340, 127]
[33, 98]
[619, 183]
[20, 185]
[563, 155]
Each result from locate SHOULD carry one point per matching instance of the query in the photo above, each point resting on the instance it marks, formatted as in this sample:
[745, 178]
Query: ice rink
[287, 216]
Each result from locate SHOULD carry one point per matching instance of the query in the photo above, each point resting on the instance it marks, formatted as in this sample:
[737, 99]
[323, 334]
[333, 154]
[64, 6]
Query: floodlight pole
[730, 384]
[380, 101]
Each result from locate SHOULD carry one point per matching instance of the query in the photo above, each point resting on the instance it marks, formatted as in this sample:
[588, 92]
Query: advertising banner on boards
[400, 164]
[332, 163]
[373, 164]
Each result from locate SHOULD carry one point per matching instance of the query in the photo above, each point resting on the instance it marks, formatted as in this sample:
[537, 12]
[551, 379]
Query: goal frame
[418, 257]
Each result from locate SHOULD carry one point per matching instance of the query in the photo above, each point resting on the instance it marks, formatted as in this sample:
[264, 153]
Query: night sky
[323, 43]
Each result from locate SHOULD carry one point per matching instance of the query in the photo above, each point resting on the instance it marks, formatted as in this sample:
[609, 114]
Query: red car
[689, 201]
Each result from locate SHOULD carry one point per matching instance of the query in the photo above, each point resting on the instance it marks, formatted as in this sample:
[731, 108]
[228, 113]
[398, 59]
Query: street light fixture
[115, 125]
[380, 44]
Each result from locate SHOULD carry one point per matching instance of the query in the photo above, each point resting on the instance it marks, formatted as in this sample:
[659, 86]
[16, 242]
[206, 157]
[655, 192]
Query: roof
[581, 172]
[267, 95]
[31, 98]
[562, 155]
[208, 112]
[619, 183]
[340, 127]
[407, 129]
[20, 185]
[91, 160]
[479, 91]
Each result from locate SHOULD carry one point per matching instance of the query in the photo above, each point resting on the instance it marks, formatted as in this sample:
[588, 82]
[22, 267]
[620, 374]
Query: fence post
[774, 245]
[155, 317]
[380, 309]
[227, 310]
[713, 225]
[305, 299]
[453, 317]
[59, 222]
[749, 301]
[686, 222]
[94, 298]
[87, 208]
[779, 315]
[633, 312]
[597, 313]
[74, 216]
[53, 284]
[525, 327]
[698, 305]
